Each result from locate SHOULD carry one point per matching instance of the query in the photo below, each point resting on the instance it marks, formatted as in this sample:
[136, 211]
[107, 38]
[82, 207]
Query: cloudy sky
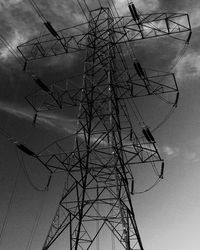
[168, 216]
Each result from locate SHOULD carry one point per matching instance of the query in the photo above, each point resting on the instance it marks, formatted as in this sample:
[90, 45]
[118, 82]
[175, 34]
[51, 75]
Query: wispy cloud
[66, 10]
[56, 122]
[46, 120]
[171, 152]
[16, 39]
[18, 112]
[189, 66]
[191, 157]
[17, 25]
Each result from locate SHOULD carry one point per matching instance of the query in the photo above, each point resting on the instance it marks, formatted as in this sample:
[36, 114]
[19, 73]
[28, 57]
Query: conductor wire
[37, 220]
[5, 221]
[22, 164]
[11, 50]
[82, 10]
[37, 10]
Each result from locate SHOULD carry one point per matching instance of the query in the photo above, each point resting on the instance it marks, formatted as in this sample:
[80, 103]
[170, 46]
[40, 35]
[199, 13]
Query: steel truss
[97, 193]
[126, 30]
[99, 176]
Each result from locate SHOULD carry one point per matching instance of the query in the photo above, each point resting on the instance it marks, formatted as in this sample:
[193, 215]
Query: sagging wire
[180, 54]
[22, 164]
[87, 7]
[148, 189]
[82, 10]
[10, 203]
[177, 60]
[179, 57]
[37, 10]
[53, 143]
[133, 192]
[37, 220]
[11, 50]
[171, 111]
[21, 161]
[153, 165]
[159, 175]
[164, 120]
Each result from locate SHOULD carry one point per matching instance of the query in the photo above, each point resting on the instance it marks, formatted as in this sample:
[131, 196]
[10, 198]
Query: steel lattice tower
[97, 193]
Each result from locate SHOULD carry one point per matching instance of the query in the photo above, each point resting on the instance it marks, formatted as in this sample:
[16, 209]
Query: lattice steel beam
[97, 194]
[126, 30]
[98, 171]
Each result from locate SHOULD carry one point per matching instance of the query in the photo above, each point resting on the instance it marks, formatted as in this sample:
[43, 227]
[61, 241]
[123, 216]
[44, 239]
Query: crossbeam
[74, 39]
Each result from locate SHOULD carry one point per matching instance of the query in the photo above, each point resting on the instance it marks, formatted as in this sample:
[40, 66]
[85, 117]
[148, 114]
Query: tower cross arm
[74, 39]
[150, 26]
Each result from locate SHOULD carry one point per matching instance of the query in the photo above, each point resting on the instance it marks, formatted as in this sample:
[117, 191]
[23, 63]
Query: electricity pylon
[100, 181]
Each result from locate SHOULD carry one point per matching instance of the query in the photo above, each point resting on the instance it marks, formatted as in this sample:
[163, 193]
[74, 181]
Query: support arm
[126, 30]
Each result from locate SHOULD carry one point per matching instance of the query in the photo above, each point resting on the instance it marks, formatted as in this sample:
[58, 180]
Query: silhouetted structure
[100, 180]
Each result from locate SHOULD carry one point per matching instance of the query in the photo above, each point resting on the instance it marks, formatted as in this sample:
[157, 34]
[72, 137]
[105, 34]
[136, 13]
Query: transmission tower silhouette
[107, 146]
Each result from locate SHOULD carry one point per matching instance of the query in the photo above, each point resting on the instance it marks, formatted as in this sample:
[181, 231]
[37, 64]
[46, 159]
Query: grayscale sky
[168, 216]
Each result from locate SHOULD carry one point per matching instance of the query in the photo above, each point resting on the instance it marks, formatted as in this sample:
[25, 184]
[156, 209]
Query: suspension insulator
[188, 39]
[34, 119]
[176, 101]
[131, 134]
[26, 150]
[49, 181]
[25, 66]
[167, 24]
[139, 70]
[51, 29]
[41, 84]
[132, 187]
[162, 170]
[148, 135]
[133, 12]
[108, 138]
[132, 89]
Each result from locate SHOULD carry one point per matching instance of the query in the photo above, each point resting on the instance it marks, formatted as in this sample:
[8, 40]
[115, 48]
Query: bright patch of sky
[171, 151]
[16, 39]
[189, 66]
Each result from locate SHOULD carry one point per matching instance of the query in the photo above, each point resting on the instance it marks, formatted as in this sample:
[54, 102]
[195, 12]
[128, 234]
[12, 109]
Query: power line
[36, 222]
[10, 203]
[37, 10]
[11, 50]
[22, 164]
